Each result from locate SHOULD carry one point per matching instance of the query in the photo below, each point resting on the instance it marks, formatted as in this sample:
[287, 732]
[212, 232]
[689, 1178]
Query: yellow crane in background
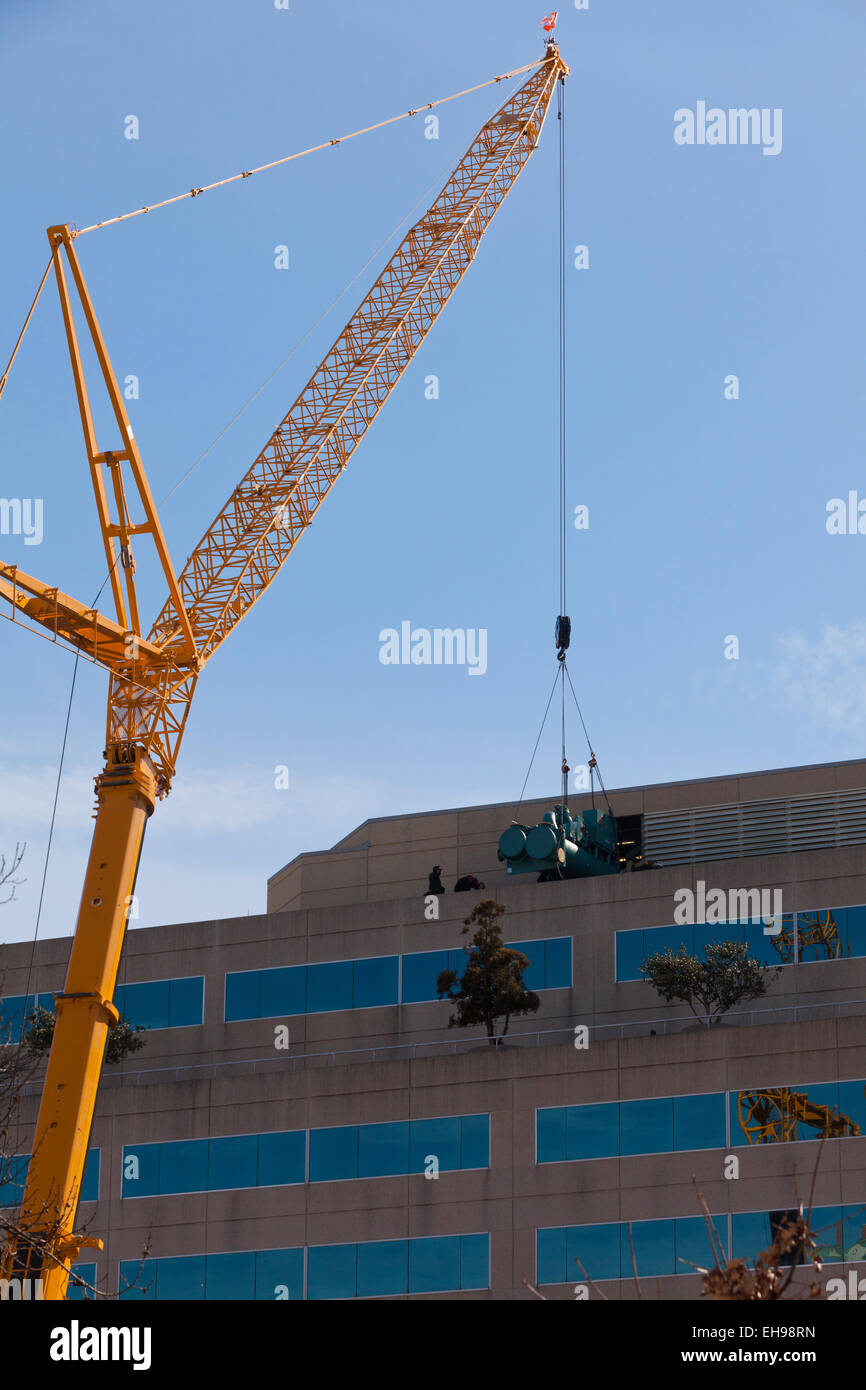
[153, 677]
[772, 1116]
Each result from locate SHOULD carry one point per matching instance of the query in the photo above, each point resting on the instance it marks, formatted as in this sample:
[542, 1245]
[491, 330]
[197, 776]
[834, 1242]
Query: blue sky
[707, 515]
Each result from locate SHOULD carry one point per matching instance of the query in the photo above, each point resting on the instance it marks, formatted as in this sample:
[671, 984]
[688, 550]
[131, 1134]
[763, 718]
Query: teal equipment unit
[562, 845]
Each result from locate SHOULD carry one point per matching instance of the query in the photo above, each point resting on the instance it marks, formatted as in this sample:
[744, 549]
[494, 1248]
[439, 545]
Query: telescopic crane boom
[153, 678]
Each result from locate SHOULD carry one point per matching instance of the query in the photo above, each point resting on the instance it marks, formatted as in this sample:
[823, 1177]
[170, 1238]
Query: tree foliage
[710, 987]
[491, 986]
[122, 1038]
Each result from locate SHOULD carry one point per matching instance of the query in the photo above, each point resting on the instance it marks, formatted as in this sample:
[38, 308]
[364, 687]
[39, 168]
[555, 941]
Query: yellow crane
[153, 677]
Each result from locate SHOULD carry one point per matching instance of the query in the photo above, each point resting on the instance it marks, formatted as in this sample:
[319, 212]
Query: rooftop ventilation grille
[747, 828]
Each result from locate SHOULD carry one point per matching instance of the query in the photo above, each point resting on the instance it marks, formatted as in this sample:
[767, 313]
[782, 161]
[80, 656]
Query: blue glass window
[90, 1179]
[629, 954]
[852, 1102]
[230, 1276]
[549, 962]
[334, 1153]
[332, 1271]
[694, 1249]
[557, 963]
[283, 991]
[145, 1005]
[186, 1002]
[533, 975]
[279, 1272]
[232, 1162]
[329, 987]
[475, 1141]
[551, 1258]
[760, 946]
[653, 1243]
[592, 1131]
[853, 933]
[669, 938]
[282, 1158]
[434, 1264]
[383, 1150]
[597, 1249]
[750, 1234]
[475, 1261]
[375, 982]
[183, 1166]
[243, 995]
[439, 1139]
[550, 1134]
[421, 970]
[382, 1268]
[181, 1277]
[140, 1178]
[646, 1126]
[699, 1121]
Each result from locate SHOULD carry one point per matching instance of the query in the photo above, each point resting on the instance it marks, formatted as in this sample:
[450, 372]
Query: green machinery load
[562, 845]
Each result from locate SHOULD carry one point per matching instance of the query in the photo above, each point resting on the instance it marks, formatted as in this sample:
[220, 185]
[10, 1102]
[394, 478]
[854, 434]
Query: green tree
[492, 984]
[710, 987]
[122, 1038]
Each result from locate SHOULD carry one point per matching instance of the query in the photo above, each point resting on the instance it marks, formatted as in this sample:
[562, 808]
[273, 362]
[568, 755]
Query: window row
[720, 1119]
[13, 1172]
[150, 1004]
[301, 989]
[372, 1269]
[375, 981]
[822, 934]
[677, 1245]
[296, 1156]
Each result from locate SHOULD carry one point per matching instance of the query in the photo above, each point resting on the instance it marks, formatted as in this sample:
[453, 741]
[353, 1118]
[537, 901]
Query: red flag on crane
[549, 21]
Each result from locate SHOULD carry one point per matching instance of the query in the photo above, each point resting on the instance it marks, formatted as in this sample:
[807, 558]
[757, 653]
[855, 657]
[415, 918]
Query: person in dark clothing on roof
[467, 884]
[434, 882]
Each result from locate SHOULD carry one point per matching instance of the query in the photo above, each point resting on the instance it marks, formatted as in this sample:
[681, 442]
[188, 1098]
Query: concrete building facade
[302, 1122]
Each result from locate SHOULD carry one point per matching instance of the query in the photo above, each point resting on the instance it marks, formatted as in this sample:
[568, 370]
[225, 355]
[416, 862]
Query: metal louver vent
[749, 828]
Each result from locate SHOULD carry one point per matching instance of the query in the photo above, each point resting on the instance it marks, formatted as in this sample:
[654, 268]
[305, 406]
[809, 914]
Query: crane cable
[562, 672]
[560, 111]
[5, 376]
[326, 144]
